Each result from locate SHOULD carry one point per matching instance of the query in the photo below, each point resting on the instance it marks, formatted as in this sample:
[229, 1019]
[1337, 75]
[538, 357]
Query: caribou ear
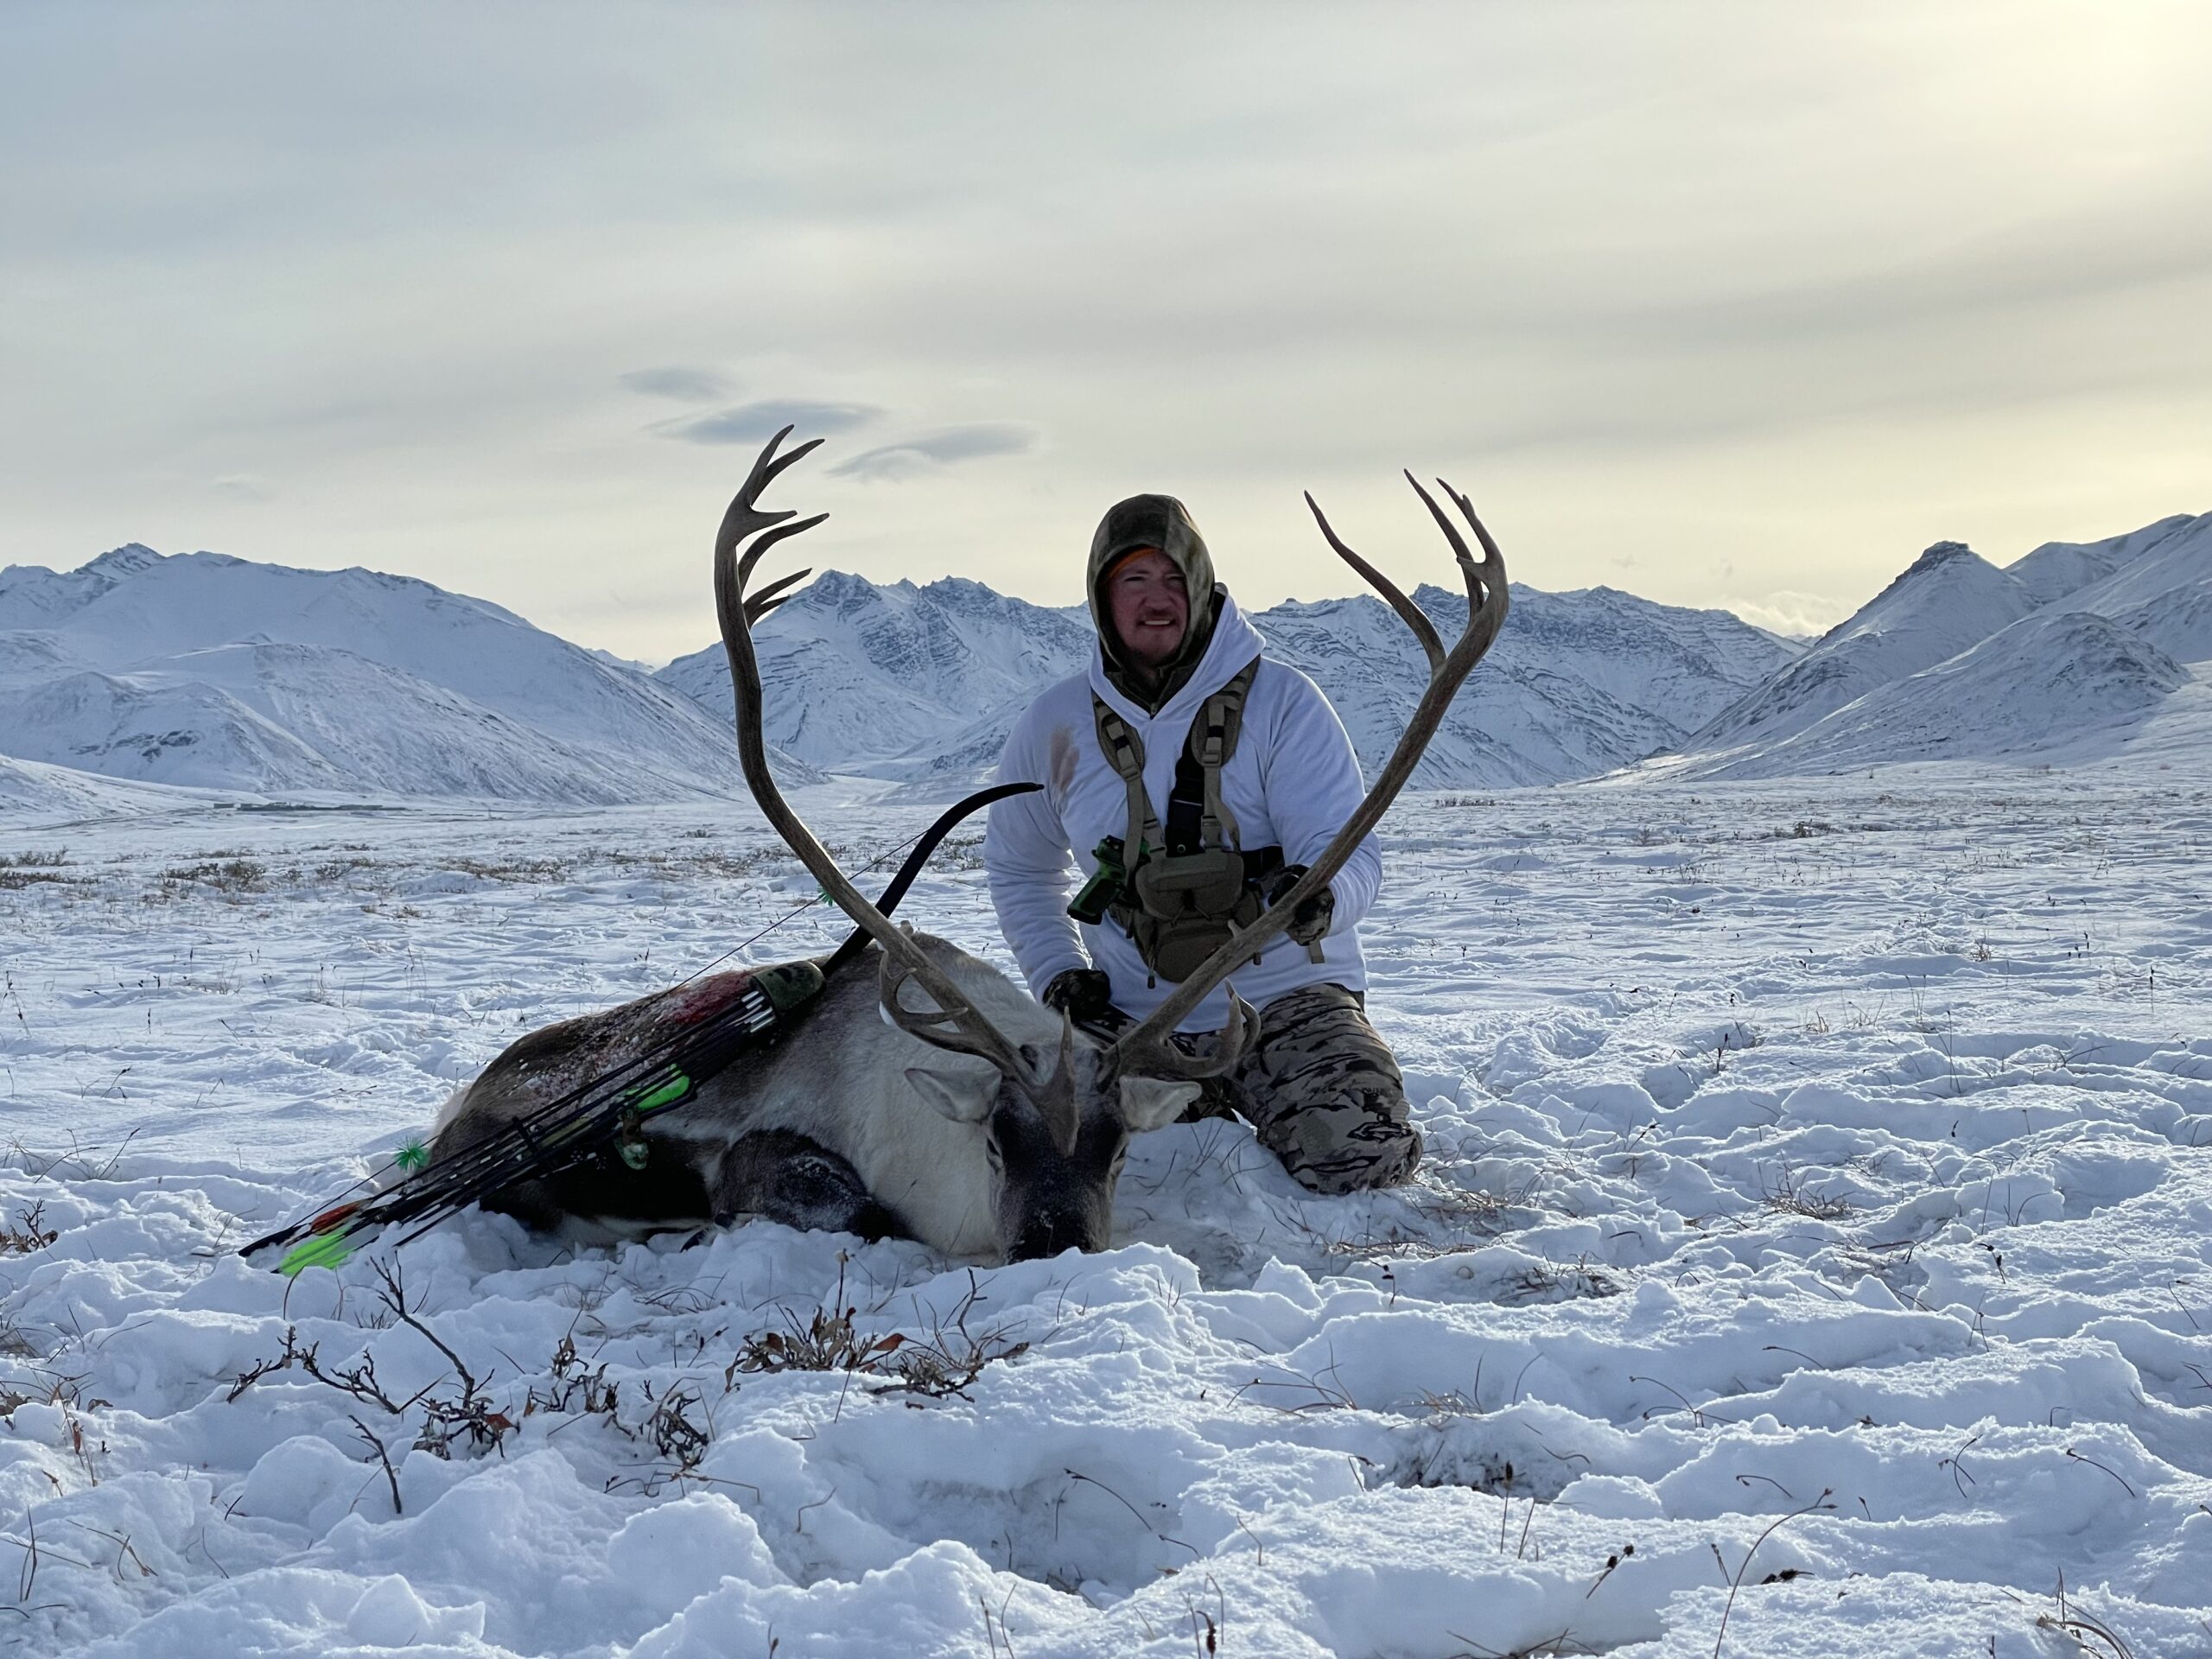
[1153, 1102]
[961, 1097]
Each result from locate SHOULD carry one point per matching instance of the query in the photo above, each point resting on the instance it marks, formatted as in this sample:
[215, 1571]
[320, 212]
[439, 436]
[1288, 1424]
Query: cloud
[1805, 615]
[751, 422]
[686, 386]
[1954, 258]
[943, 448]
[243, 487]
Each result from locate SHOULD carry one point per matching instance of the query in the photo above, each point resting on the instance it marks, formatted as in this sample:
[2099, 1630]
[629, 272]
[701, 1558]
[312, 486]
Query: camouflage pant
[1321, 1088]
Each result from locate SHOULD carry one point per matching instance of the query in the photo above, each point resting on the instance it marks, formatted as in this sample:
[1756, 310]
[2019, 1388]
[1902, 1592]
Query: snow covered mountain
[34, 789]
[920, 684]
[1949, 598]
[2057, 569]
[216, 673]
[2045, 681]
[1578, 683]
[2075, 644]
[205, 671]
[860, 678]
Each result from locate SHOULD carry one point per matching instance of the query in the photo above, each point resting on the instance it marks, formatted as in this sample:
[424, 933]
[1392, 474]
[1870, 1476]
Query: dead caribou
[973, 1120]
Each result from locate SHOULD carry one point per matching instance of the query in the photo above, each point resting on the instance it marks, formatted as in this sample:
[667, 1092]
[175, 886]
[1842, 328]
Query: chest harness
[1180, 891]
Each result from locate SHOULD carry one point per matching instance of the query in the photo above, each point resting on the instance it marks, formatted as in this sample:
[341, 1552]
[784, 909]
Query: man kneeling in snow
[1205, 775]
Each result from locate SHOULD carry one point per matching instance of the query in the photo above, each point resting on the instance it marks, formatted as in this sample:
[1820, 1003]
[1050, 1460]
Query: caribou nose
[1049, 1236]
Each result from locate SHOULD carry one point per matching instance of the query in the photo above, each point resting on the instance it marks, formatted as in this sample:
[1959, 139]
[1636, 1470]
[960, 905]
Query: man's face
[1150, 606]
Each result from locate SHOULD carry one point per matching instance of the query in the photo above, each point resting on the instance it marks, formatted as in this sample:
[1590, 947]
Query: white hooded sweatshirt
[1293, 782]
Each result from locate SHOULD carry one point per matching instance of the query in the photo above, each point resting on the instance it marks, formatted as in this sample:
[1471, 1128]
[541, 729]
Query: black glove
[1080, 993]
[1309, 923]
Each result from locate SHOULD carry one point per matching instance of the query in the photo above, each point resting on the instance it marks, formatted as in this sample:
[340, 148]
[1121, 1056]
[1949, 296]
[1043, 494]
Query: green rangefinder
[1105, 887]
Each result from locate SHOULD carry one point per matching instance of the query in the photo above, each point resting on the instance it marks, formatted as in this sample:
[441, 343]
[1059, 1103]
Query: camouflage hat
[1160, 522]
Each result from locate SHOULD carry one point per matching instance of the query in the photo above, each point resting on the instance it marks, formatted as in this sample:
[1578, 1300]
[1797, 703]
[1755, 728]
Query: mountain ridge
[924, 680]
[1958, 657]
[207, 671]
[211, 671]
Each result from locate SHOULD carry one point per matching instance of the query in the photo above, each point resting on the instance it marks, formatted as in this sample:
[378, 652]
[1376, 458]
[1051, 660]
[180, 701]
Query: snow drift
[1812, 1230]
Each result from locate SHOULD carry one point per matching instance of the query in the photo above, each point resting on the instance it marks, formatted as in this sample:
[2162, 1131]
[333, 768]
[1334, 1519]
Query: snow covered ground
[1814, 1242]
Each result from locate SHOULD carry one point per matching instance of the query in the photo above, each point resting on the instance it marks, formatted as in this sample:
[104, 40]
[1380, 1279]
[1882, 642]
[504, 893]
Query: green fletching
[664, 1096]
[323, 1251]
[580, 1120]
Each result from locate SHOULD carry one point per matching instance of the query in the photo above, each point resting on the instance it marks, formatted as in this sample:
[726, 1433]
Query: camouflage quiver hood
[1163, 521]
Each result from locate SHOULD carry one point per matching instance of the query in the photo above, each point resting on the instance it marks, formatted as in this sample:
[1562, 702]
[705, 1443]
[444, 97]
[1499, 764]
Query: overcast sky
[1725, 304]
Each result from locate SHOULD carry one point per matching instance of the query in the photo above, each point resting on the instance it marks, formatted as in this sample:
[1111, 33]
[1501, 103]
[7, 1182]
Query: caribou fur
[846, 1123]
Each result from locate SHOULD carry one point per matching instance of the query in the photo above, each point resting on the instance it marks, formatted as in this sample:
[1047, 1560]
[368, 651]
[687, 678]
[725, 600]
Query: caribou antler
[954, 1023]
[1146, 1049]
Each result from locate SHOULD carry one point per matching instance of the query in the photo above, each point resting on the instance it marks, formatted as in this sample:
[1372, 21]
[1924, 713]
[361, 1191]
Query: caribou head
[1051, 1109]
[1055, 1124]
